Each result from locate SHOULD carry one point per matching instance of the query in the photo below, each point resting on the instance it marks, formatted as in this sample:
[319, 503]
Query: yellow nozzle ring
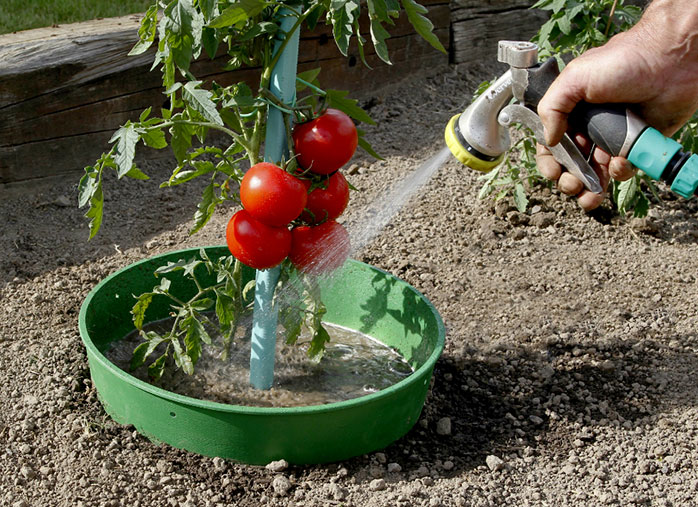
[464, 156]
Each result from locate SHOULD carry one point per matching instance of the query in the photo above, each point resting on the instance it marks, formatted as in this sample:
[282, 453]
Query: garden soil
[568, 377]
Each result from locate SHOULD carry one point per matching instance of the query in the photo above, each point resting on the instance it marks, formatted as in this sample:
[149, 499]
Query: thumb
[557, 103]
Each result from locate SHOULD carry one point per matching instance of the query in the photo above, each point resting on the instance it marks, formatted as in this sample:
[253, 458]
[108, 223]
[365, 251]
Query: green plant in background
[247, 30]
[573, 27]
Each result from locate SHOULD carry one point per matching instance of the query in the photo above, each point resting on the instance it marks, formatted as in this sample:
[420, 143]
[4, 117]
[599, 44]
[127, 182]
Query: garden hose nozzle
[479, 136]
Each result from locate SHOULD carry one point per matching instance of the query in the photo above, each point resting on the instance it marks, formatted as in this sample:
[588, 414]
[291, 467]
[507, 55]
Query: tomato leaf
[421, 23]
[182, 358]
[200, 100]
[179, 16]
[238, 13]
[154, 138]
[146, 32]
[291, 318]
[181, 140]
[366, 146]
[225, 309]
[125, 138]
[157, 368]
[520, 199]
[317, 345]
[342, 14]
[338, 100]
[205, 208]
[200, 168]
[90, 192]
[626, 193]
[139, 309]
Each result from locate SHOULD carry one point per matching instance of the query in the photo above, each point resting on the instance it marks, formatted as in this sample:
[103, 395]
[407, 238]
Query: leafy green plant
[246, 31]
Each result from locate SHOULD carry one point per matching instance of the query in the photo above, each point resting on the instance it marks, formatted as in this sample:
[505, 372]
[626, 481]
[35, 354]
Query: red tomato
[327, 203]
[271, 195]
[320, 248]
[256, 244]
[326, 143]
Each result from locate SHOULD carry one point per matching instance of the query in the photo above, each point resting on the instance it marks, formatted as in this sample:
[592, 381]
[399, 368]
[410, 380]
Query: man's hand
[654, 65]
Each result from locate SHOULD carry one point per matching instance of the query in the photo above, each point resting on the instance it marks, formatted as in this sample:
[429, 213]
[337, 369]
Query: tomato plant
[271, 195]
[184, 31]
[258, 245]
[326, 143]
[319, 249]
[327, 200]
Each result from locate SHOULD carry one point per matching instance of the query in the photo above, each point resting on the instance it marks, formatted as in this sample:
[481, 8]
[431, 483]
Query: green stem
[610, 18]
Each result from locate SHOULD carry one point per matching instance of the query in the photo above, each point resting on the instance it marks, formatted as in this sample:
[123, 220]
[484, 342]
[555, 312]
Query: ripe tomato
[326, 143]
[256, 244]
[271, 195]
[320, 248]
[327, 203]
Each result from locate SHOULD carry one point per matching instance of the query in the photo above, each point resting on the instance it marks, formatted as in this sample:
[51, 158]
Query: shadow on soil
[510, 402]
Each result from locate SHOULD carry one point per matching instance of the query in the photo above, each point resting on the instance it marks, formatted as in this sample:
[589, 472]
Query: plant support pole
[265, 315]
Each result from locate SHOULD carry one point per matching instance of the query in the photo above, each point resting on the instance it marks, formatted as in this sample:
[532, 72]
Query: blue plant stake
[265, 315]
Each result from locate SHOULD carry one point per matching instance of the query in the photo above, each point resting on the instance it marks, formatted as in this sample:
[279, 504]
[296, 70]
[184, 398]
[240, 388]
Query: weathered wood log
[64, 90]
[477, 26]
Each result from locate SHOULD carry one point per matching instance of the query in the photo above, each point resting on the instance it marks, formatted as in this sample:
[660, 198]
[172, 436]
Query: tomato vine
[244, 32]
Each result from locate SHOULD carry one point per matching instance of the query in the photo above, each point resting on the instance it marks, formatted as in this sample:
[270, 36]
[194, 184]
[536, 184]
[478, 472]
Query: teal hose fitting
[661, 158]
[686, 181]
[652, 152]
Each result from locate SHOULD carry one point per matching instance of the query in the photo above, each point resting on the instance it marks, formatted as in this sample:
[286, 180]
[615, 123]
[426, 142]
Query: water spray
[479, 137]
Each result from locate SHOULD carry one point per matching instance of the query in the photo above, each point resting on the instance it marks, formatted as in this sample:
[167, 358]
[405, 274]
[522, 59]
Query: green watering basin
[360, 297]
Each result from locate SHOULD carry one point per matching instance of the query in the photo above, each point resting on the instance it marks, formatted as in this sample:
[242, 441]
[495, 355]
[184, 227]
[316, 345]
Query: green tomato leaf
[338, 100]
[182, 358]
[247, 289]
[424, 27]
[139, 309]
[138, 357]
[205, 208]
[342, 14]
[157, 368]
[642, 205]
[379, 35]
[182, 176]
[163, 288]
[208, 8]
[90, 191]
[154, 138]
[202, 305]
[317, 344]
[520, 199]
[88, 185]
[225, 309]
[626, 193]
[180, 15]
[366, 146]
[238, 13]
[210, 41]
[292, 320]
[126, 138]
[146, 32]
[181, 140]
[200, 100]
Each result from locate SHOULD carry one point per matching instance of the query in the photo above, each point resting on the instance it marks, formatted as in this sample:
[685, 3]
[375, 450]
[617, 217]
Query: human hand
[653, 66]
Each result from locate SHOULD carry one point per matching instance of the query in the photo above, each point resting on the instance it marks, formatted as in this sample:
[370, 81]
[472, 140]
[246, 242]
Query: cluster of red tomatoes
[273, 198]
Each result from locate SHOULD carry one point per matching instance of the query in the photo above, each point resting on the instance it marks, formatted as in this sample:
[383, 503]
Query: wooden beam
[64, 90]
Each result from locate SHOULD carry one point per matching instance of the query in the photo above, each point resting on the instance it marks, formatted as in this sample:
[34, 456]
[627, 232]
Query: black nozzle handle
[612, 127]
